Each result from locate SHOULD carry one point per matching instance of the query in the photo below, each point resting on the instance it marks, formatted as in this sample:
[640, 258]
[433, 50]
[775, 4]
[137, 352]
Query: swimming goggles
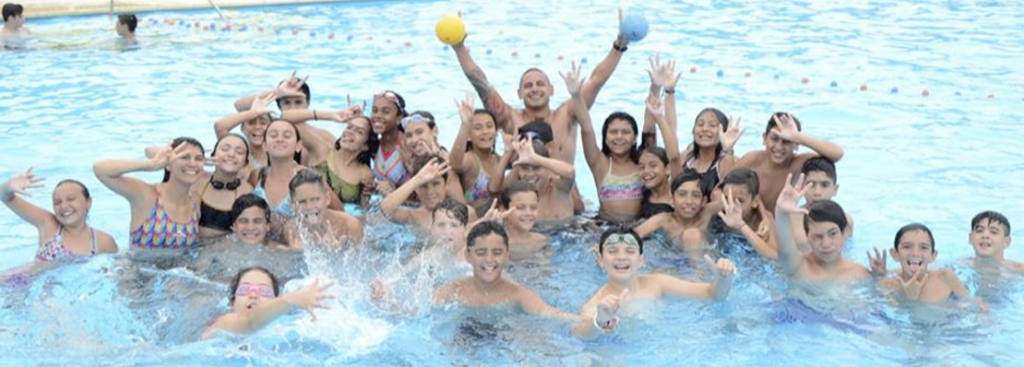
[231, 186]
[391, 96]
[262, 290]
[414, 118]
[626, 238]
[529, 135]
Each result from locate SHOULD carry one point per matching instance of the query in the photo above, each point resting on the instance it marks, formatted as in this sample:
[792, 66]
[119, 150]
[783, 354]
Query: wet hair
[546, 79]
[485, 228]
[304, 88]
[913, 227]
[743, 176]
[478, 111]
[772, 124]
[993, 217]
[297, 157]
[431, 123]
[129, 20]
[825, 211]
[687, 176]
[820, 164]
[85, 190]
[455, 209]
[722, 120]
[305, 176]
[514, 188]
[247, 201]
[372, 144]
[238, 278]
[178, 141]
[657, 152]
[619, 229]
[12, 10]
[634, 153]
[541, 128]
[246, 142]
[421, 162]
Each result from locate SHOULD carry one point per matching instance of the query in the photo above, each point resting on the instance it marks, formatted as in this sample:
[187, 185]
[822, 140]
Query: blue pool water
[937, 160]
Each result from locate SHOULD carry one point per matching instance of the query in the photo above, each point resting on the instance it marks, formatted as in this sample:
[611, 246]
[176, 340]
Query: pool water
[940, 159]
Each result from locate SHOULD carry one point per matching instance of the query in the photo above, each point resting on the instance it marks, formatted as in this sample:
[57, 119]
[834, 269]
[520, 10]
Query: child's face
[620, 138]
[536, 176]
[826, 240]
[688, 199]
[822, 187]
[652, 171]
[621, 259]
[251, 226]
[483, 132]
[741, 194]
[310, 201]
[70, 205]
[447, 229]
[253, 288]
[914, 252]
[779, 150]
[431, 193]
[706, 130]
[420, 138]
[524, 210]
[989, 239]
[488, 255]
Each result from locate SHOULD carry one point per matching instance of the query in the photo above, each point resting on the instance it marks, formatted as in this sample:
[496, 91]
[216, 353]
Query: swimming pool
[937, 160]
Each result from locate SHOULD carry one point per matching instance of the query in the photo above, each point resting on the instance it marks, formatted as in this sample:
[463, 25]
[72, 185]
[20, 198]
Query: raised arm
[489, 96]
[564, 170]
[257, 107]
[20, 184]
[787, 130]
[790, 257]
[300, 117]
[111, 174]
[595, 158]
[391, 203]
[604, 69]
[291, 86]
[652, 224]
[457, 157]
[655, 109]
[729, 137]
[732, 216]
[267, 311]
[716, 291]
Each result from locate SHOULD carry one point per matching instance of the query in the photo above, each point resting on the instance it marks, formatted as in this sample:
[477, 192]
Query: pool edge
[59, 8]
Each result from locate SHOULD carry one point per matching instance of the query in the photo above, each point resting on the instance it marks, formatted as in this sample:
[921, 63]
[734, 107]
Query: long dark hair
[372, 144]
[722, 120]
[297, 157]
[634, 153]
[186, 140]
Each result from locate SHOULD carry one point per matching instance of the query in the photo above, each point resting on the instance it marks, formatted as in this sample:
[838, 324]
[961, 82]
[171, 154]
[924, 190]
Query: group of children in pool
[283, 182]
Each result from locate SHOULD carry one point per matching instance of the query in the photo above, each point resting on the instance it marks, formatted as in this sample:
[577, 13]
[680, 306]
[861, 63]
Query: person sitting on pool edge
[14, 30]
[824, 221]
[782, 137]
[621, 256]
[126, 24]
[255, 302]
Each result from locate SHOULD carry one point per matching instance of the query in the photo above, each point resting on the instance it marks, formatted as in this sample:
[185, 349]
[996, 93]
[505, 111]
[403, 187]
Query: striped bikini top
[389, 166]
[159, 231]
[54, 249]
[616, 188]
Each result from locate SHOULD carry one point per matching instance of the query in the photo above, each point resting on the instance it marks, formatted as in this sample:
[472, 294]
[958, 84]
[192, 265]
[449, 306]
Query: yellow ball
[450, 29]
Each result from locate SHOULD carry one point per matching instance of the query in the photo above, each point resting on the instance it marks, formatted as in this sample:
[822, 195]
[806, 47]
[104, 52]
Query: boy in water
[430, 185]
[14, 30]
[125, 28]
[990, 236]
[781, 138]
[914, 249]
[824, 221]
[820, 174]
[552, 179]
[744, 211]
[521, 202]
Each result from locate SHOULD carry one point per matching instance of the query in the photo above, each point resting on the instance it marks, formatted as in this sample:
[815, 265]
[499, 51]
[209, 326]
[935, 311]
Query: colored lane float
[451, 29]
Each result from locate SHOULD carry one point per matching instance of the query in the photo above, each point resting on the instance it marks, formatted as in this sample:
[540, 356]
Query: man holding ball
[535, 90]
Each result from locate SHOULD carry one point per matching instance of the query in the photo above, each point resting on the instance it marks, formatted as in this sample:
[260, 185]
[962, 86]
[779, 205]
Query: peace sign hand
[877, 262]
[789, 199]
[573, 83]
[292, 86]
[912, 288]
[260, 103]
[731, 135]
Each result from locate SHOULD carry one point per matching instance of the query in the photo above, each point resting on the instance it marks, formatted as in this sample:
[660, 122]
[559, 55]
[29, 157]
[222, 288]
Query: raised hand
[524, 148]
[260, 103]
[607, 310]
[620, 40]
[731, 135]
[732, 212]
[655, 107]
[495, 214]
[465, 108]
[573, 83]
[291, 86]
[722, 269]
[20, 183]
[877, 262]
[433, 170]
[789, 199]
[166, 155]
[310, 298]
[785, 127]
[912, 288]
[357, 110]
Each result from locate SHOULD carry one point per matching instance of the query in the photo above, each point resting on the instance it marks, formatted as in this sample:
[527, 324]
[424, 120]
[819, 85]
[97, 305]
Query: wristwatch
[619, 48]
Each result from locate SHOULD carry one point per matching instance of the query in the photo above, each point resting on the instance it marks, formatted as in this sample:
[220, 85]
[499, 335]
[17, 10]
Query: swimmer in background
[551, 178]
[64, 234]
[125, 27]
[621, 256]
[781, 138]
[744, 211]
[914, 249]
[820, 173]
[255, 302]
[315, 222]
[14, 32]
[825, 222]
[989, 237]
[487, 252]
[163, 215]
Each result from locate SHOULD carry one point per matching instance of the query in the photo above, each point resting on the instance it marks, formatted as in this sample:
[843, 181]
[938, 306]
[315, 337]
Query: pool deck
[52, 8]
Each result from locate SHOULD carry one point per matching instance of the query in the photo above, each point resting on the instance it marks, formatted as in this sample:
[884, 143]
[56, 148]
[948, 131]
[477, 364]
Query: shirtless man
[14, 26]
